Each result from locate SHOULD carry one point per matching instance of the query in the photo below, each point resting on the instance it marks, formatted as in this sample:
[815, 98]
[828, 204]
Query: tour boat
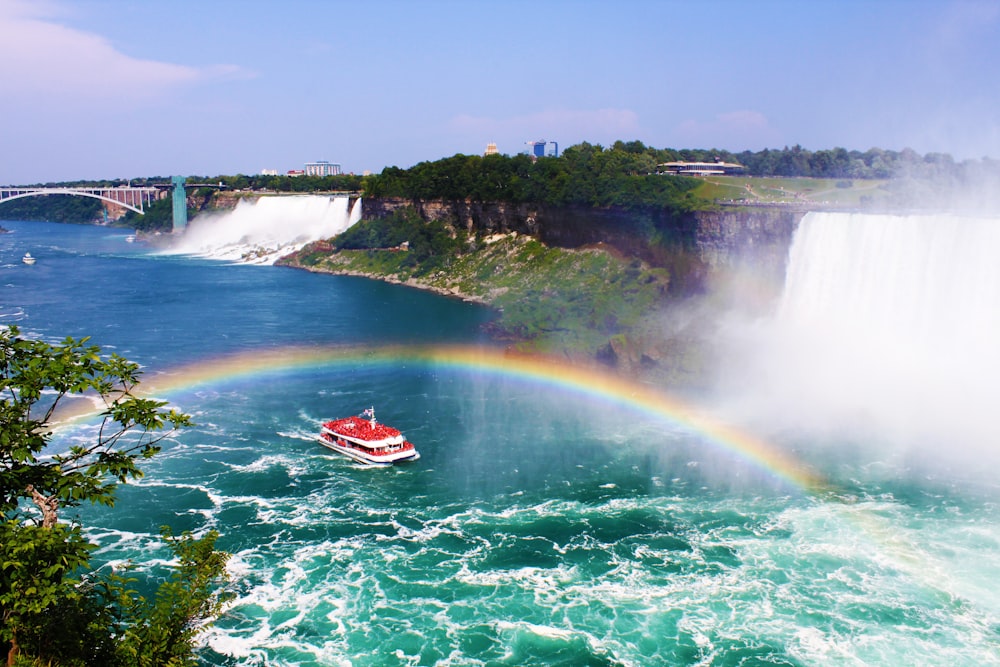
[28, 259]
[366, 441]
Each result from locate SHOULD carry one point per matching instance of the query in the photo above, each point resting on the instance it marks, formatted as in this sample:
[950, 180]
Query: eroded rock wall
[698, 248]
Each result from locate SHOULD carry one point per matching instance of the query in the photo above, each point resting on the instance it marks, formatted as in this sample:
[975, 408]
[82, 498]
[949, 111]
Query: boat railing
[378, 451]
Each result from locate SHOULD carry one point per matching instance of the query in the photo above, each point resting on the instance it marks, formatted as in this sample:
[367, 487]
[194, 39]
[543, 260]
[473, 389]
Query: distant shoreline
[291, 261]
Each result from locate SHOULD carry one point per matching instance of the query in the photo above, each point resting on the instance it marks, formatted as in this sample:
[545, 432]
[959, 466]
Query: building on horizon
[717, 168]
[536, 149]
[491, 149]
[268, 172]
[322, 168]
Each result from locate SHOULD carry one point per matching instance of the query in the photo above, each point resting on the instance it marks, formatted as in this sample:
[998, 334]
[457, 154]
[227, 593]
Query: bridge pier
[180, 204]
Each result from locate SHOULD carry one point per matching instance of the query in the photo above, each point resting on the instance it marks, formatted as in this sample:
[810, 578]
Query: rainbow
[573, 379]
[537, 370]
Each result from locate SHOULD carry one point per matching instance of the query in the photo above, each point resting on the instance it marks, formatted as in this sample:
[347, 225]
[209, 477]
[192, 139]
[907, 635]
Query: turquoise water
[538, 528]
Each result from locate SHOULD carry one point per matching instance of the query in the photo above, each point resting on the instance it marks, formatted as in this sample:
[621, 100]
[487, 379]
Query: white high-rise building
[322, 168]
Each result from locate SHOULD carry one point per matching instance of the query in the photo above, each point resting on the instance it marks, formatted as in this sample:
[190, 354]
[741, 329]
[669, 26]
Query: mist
[261, 231]
[884, 337]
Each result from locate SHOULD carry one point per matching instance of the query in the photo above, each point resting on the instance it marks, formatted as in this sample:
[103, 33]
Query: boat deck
[360, 429]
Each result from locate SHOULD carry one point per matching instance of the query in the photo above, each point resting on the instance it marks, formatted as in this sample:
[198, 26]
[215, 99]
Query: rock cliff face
[745, 244]
[488, 217]
[698, 248]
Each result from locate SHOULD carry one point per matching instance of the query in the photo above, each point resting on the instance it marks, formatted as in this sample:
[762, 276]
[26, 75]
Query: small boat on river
[28, 259]
[366, 441]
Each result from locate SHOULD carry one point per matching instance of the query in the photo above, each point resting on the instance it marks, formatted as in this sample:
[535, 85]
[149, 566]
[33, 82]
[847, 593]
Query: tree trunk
[49, 505]
[12, 652]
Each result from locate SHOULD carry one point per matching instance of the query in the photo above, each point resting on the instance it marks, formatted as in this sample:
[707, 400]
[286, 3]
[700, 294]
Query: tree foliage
[166, 628]
[585, 175]
[625, 175]
[159, 217]
[53, 208]
[285, 183]
[36, 378]
[428, 245]
[51, 606]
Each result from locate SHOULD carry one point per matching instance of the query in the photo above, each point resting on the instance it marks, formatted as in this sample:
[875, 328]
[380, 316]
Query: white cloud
[45, 61]
[733, 130]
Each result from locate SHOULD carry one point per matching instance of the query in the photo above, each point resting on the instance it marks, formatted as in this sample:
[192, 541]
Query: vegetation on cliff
[284, 183]
[549, 299]
[53, 208]
[840, 163]
[625, 176]
[159, 217]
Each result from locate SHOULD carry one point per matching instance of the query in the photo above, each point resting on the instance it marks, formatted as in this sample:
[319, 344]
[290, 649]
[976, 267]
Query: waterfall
[889, 323]
[261, 231]
[355, 213]
[930, 284]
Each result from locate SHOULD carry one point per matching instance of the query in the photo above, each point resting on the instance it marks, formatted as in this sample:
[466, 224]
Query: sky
[109, 89]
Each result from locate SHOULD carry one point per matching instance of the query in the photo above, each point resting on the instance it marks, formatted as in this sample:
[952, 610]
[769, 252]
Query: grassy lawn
[808, 191]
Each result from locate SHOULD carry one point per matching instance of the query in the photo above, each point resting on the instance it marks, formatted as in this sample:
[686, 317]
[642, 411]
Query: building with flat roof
[716, 168]
[322, 168]
[536, 149]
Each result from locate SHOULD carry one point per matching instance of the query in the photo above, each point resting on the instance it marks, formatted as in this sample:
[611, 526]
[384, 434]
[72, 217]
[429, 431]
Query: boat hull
[365, 458]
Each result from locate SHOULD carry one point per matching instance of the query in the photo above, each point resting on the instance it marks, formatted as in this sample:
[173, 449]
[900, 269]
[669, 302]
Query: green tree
[39, 554]
[53, 208]
[166, 628]
[159, 217]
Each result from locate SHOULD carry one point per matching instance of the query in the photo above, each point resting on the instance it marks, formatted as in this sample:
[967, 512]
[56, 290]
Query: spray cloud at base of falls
[886, 330]
[261, 231]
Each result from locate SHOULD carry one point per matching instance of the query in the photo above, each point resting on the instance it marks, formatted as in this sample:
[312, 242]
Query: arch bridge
[133, 198]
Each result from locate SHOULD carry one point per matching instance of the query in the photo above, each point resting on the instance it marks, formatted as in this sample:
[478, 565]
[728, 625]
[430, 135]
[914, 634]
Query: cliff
[639, 291]
[698, 248]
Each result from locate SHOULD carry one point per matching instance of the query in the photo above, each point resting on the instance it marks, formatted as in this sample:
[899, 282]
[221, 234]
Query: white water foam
[264, 230]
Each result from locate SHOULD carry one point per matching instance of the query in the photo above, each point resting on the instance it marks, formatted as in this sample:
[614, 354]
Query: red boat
[366, 441]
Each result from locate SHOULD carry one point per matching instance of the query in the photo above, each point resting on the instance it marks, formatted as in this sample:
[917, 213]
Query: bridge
[134, 198]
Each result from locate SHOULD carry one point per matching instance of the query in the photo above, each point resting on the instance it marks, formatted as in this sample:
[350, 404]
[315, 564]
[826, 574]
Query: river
[556, 517]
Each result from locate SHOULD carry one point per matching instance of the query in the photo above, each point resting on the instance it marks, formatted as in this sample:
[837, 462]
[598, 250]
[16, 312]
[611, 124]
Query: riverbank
[346, 263]
[592, 303]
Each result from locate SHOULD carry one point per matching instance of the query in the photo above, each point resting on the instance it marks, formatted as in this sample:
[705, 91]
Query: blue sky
[116, 89]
